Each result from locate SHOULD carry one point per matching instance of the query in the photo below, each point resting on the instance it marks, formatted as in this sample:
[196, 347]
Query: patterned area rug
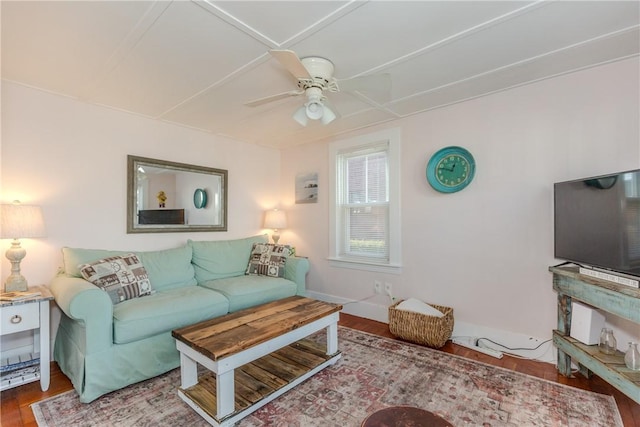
[373, 373]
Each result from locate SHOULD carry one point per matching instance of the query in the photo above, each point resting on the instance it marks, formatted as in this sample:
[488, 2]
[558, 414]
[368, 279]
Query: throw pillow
[123, 277]
[268, 259]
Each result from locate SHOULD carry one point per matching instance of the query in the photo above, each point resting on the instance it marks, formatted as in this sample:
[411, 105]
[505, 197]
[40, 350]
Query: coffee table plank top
[232, 333]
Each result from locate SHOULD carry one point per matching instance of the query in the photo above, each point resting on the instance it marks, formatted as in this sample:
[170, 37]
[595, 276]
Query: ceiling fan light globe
[328, 116]
[300, 116]
[315, 110]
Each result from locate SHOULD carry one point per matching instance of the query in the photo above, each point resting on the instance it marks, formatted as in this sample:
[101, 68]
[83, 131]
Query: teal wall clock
[450, 169]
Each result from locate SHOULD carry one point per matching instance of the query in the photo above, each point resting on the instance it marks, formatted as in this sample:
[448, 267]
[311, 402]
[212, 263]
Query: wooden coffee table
[253, 356]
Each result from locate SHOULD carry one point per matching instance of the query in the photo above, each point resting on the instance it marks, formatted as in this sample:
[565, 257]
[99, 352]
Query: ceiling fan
[315, 76]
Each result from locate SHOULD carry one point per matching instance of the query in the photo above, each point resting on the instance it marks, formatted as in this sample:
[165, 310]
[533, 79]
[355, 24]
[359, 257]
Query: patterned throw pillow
[267, 259]
[122, 277]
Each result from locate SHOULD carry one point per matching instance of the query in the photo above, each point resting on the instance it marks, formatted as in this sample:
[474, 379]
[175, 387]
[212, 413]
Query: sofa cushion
[164, 311]
[248, 291]
[122, 277]
[222, 258]
[268, 259]
[167, 269]
[72, 258]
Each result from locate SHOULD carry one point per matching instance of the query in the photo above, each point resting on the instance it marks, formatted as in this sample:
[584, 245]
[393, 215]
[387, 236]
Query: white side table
[18, 316]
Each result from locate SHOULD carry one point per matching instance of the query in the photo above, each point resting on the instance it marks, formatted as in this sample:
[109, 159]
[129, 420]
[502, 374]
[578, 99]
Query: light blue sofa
[103, 347]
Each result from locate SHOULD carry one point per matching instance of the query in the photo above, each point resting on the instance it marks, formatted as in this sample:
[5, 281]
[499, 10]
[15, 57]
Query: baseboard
[365, 309]
[379, 312]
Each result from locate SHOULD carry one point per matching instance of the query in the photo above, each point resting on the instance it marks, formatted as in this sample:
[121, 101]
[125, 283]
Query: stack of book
[16, 362]
[18, 369]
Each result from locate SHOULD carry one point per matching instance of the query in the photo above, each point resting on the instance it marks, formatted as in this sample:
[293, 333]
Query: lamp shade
[21, 221]
[275, 219]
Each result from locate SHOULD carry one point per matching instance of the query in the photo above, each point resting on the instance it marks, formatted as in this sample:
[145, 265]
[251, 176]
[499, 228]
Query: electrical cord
[517, 356]
[359, 300]
[515, 348]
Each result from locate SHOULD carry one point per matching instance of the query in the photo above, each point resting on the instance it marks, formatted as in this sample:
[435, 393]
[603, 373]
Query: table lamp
[17, 222]
[277, 220]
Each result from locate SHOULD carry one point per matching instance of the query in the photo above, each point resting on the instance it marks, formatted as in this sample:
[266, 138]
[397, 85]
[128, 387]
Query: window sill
[367, 266]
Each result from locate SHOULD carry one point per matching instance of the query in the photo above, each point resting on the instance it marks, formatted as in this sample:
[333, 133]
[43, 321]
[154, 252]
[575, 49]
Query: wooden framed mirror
[160, 197]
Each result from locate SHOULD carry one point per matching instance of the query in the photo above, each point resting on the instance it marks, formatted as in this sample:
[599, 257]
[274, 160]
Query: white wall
[484, 251]
[70, 158]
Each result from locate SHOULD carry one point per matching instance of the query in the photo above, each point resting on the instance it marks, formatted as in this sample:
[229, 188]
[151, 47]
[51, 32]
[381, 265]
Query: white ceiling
[197, 63]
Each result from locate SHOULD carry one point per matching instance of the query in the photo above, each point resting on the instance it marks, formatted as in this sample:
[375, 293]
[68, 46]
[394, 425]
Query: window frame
[367, 141]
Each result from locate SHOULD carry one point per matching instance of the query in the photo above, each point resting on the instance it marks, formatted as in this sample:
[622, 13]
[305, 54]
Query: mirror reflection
[167, 196]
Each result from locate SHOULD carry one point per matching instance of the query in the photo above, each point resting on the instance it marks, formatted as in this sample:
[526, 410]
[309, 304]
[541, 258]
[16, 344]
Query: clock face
[450, 169]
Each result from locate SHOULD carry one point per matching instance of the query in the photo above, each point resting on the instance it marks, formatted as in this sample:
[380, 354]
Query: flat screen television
[597, 222]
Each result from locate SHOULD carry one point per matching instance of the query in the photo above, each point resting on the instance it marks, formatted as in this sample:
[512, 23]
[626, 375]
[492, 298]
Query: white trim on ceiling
[128, 44]
[526, 61]
[455, 37]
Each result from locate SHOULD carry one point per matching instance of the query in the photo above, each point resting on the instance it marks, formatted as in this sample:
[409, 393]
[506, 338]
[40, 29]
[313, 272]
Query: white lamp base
[15, 281]
[275, 236]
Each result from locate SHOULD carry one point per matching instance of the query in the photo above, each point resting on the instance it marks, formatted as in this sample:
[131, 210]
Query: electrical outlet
[388, 288]
[377, 286]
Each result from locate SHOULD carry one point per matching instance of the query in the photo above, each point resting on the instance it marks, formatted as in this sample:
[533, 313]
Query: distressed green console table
[621, 300]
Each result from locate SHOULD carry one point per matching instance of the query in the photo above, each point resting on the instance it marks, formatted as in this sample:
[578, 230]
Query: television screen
[597, 222]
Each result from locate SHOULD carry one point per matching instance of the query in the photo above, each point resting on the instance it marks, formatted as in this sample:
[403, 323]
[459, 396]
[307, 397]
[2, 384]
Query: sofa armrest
[296, 270]
[91, 307]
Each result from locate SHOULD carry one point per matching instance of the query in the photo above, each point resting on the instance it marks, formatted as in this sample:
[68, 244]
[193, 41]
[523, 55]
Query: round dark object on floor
[405, 416]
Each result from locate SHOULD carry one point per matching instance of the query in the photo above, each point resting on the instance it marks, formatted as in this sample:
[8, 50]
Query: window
[365, 211]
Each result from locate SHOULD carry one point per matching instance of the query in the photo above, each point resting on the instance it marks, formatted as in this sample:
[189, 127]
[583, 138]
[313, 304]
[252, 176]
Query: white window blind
[364, 220]
[363, 202]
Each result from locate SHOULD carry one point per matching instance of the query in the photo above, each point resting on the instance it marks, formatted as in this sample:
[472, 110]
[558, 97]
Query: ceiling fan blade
[271, 98]
[377, 86]
[291, 62]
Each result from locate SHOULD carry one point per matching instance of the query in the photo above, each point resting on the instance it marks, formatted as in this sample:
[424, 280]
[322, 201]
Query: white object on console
[418, 306]
[610, 277]
[586, 323]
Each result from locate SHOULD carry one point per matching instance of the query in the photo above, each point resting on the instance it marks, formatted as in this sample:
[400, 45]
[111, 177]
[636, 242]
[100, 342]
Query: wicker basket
[419, 328]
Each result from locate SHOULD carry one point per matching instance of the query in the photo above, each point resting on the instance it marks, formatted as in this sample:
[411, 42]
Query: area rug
[373, 373]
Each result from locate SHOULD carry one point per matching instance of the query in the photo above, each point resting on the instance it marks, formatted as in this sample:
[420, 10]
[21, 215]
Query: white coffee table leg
[188, 371]
[332, 338]
[226, 393]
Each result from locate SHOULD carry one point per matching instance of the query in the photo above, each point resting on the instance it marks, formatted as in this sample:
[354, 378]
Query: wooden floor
[15, 409]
